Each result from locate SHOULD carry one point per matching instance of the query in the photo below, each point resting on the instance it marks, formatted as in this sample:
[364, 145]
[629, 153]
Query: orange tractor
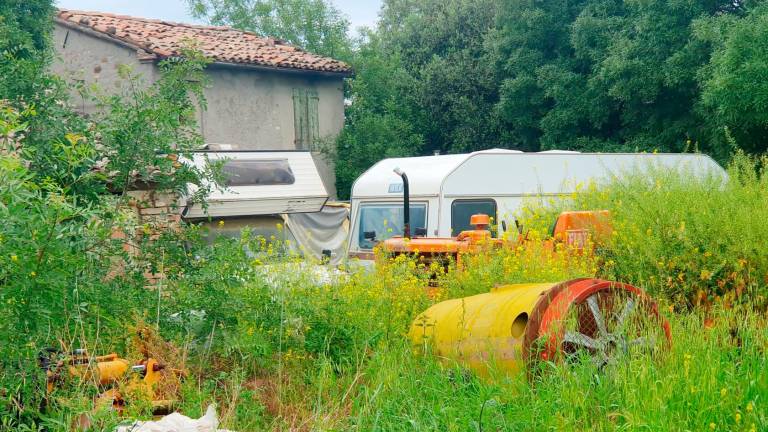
[520, 324]
[576, 230]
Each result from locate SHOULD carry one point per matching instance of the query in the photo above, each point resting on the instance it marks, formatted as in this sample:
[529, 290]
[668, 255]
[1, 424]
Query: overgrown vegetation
[279, 347]
[282, 344]
[693, 241]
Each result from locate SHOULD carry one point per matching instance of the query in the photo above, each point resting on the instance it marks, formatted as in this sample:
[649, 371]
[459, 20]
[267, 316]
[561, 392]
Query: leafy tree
[143, 129]
[57, 254]
[314, 25]
[452, 95]
[423, 84]
[603, 74]
[25, 27]
[735, 84]
[377, 122]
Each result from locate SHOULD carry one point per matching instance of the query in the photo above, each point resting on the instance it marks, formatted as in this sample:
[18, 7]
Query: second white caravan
[445, 190]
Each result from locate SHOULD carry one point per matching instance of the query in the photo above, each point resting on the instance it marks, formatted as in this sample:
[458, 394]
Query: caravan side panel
[515, 179]
[557, 173]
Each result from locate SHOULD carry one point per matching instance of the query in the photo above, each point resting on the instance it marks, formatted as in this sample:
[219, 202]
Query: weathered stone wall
[88, 61]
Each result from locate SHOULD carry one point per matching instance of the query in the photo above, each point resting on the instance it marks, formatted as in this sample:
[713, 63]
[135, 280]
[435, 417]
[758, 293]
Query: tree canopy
[24, 42]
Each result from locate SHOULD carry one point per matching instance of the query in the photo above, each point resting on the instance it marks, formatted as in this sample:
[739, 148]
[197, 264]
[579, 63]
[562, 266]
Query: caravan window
[258, 172]
[379, 222]
[462, 211]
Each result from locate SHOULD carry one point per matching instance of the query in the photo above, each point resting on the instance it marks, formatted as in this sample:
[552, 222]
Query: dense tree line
[590, 75]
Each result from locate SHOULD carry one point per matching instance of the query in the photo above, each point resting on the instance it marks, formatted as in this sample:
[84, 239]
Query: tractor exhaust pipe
[406, 204]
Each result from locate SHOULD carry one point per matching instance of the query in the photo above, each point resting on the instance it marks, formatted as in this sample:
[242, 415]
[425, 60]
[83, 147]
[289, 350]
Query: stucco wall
[247, 108]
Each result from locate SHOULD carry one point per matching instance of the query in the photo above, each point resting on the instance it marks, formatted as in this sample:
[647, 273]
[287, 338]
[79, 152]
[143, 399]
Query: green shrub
[693, 240]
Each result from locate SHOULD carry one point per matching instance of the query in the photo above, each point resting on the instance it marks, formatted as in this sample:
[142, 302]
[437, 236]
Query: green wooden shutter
[306, 118]
[300, 125]
[313, 118]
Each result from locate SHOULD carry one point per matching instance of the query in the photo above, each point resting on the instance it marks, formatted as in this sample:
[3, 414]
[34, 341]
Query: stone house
[264, 94]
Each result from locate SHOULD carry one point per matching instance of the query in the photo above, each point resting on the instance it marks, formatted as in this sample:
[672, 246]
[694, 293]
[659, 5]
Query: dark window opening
[462, 211]
[258, 173]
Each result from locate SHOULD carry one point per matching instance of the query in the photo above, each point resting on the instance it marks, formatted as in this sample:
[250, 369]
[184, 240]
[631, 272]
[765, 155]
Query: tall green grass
[710, 379]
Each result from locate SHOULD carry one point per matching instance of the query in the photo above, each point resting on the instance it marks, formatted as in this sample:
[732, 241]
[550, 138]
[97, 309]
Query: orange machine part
[597, 223]
[431, 249]
[577, 229]
[466, 241]
[551, 309]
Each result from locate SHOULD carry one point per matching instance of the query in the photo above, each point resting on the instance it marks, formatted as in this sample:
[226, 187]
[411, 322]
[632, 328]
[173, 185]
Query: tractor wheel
[595, 319]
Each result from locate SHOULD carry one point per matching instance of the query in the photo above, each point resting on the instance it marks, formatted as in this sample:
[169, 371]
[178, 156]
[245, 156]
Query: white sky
[359, 12]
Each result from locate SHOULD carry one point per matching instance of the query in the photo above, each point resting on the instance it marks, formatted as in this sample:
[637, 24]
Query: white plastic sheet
[177, 423]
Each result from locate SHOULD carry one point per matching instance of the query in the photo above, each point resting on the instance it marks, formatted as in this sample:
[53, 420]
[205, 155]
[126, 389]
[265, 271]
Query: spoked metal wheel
[594, 319]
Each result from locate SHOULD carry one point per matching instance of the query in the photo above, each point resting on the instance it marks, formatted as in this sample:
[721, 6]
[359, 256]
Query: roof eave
[264, 68]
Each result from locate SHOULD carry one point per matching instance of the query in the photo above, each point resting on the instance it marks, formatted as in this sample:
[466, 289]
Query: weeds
[280, 343]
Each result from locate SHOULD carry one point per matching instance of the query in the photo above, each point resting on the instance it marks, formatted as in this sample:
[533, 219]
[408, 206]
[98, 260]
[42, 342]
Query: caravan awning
[261, 183]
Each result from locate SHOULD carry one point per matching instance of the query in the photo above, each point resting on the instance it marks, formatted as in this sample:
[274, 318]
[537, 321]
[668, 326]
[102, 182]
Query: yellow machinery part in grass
[515, 325]
[118, 378]
[480, 329]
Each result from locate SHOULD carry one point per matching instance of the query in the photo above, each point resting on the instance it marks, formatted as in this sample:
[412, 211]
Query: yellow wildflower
[221, 223]
[32, 274]
[737, 417]
[14, 258]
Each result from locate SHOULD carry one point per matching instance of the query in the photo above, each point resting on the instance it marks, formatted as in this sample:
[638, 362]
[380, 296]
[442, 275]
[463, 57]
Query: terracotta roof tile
[221, 44]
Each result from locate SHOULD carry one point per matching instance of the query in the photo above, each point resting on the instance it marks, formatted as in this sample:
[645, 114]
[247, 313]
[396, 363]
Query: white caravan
[445, 190]
[261, 183]
[265, 190]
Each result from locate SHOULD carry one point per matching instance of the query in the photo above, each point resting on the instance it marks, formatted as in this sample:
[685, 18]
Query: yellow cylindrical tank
[479, 329]
[515, 324]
